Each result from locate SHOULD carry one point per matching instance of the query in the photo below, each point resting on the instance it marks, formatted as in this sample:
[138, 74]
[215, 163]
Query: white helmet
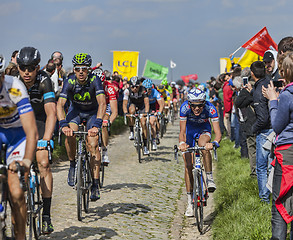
[196, 95]
[2, 63]
[201, 87]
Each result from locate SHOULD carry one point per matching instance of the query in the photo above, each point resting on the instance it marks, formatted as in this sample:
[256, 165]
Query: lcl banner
[125, 63]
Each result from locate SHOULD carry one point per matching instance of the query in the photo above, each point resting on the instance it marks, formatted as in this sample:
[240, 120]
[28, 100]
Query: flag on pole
[247, 58]
[261, 42]
[172, 64]
[188, 77]
[155, 71]
[125, 63]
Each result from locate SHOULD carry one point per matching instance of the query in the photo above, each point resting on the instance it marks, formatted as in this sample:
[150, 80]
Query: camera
[245, 81]
[277, 84]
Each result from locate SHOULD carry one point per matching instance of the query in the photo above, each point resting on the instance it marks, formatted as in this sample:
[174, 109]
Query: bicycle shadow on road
[208, 221]
[132, 186]
[131, 209]
[76, 233]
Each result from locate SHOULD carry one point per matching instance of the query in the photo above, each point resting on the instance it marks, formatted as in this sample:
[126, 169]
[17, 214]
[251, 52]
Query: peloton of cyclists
[85, 92]
[18, 130]
[135, 97]
[194, 124]
[42, 99]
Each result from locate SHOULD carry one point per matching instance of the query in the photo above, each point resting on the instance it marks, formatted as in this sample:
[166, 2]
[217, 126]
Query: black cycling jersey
[41, 93]
[82, 96]
[137, 98]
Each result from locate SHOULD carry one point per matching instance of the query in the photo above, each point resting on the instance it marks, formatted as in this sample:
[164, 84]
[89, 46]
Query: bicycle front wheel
[87, 184]
[102, 174]
[198, 200]
[138, 145]
[79, 187]
[37, 206]
[30, 212]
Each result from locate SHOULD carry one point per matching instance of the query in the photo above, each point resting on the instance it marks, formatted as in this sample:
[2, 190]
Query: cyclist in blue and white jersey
[156, 107]
[19, 132]
[85, 93]
[195, 114]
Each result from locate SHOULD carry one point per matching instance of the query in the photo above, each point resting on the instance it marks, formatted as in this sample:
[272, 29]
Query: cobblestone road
[138, 201]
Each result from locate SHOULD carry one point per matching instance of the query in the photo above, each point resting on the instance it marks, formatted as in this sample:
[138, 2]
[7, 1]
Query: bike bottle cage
[44, 143]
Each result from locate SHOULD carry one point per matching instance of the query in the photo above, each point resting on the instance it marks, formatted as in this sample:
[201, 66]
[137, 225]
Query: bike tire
[87, 184]
[138, 145]
[198, 200]
[37, 206]
[79, 187]
[172, 116]
[149, 136]
[102, 175]
[162, 123]
[30, 212]
[4, 223]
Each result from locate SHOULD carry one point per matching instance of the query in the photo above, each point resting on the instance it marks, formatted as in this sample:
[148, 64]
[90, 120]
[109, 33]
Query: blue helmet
[196, 95]
[148, 83]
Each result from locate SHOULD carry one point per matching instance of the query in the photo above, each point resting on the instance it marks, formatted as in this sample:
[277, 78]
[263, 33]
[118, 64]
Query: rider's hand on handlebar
[67, 131]
[209, 146]
[183, 147]
[93, 132]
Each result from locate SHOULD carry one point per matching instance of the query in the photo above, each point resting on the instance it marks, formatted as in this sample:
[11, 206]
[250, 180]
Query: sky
[195, 34]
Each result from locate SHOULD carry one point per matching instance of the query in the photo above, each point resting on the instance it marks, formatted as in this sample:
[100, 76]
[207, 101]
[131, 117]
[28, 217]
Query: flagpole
[236, 50]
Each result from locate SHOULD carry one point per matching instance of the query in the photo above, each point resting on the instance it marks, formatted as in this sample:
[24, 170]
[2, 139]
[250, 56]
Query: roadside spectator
[282, 207]
[12, 68]
[262, 128]
[286, 44]
[227, 97]
[50, 68]
[270, 60]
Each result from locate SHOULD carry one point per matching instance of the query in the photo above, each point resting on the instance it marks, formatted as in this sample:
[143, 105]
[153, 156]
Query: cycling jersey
[41, 93]
[175, 93]
[135, 98]
[166, 95]
[82, 96]
[154, 96]
[14, 101]
[197, 125]
[111, 91]
[169, 89]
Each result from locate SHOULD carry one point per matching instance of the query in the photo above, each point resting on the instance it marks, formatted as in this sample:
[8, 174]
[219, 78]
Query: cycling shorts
[76, 116]
[15, 140]
[193, 133]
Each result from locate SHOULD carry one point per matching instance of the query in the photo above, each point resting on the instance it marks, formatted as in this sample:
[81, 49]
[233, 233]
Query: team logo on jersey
[212, 111]
[85, 96]
[15, 92]
[185, 108]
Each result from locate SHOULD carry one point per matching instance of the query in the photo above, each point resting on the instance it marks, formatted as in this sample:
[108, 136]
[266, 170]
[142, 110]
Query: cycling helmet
[134, 81]
[148, 83]
[82, 59]
[196, 95]
[2, 64]
[173, 84]
[161, 88]
[201, 87]
[99, 72]
[164, 82]
[28, 56]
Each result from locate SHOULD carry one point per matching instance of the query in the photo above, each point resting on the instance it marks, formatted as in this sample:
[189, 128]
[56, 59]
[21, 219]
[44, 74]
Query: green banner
[155, 71]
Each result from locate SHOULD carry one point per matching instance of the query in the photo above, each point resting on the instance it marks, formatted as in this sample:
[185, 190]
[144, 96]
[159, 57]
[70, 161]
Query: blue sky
[194, 34]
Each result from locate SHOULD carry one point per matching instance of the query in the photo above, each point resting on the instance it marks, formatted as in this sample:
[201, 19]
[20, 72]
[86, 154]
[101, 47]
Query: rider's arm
[50, 109]
[60, 109]
[161, 105]
[125, 100]
[102, 105]
[217, 131]
[29, 126]
[147, 104]
[114, 110]
[182, 136]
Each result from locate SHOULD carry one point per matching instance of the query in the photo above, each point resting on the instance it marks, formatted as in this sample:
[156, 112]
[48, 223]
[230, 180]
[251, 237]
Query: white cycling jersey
[14, 101]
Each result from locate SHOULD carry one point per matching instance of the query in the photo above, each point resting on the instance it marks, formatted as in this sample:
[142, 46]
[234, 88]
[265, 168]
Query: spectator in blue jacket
[261, 127]
[282, 209]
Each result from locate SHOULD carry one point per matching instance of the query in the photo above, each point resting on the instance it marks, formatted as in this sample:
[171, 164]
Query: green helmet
[164, 82]
[82, 59]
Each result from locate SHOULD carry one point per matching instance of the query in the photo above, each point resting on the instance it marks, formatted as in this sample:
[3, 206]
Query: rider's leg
[105, 140]
[144, 131]
[188, 182]
[18, 205]
[131, 110]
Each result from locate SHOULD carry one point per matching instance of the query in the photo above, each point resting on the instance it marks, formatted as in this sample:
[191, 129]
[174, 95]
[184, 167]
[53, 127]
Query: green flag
[155, 71]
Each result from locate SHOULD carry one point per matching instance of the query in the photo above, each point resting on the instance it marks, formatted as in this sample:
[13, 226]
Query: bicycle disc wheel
[37, 206]
[79, 187]
[138, 145]
[198, 200]
[87, 185]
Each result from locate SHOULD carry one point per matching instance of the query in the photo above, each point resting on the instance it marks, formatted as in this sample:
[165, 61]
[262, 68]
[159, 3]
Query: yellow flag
[125, 63]
[247, 58]
[225, 64]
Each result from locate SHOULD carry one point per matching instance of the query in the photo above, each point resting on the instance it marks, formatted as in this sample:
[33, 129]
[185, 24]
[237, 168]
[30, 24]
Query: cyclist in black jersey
[135, 97]
[87, 100]
[42, 98]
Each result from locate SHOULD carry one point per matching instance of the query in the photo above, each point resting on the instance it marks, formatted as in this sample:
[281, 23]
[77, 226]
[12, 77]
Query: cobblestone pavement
[138, 201]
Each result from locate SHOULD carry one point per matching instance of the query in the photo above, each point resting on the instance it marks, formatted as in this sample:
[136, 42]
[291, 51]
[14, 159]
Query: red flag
[260, 42]
[188, 77]
[185, 79]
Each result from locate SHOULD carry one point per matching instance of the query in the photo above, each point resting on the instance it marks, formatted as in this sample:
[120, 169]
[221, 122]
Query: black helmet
[134, 81]
[29, 56]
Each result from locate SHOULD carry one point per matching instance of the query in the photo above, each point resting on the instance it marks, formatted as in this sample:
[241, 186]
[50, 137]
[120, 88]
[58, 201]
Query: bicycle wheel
[149, 136]
[37, 206]
[138, 144]
[162, 124]
[5, 222]
[30, 212]
[102, 174]
[79, 187]
[87, 184]
[172, 116]
[198, 200]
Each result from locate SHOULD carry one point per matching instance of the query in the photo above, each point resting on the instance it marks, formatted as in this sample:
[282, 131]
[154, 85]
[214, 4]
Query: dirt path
[139, 200]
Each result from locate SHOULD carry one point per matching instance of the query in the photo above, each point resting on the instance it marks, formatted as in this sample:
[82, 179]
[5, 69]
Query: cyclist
[42, 98]
[85, 92]
[156, 108]
[175, 99]
[166, 96]
[19, 132]
[111, 89]
[168, 88]
[136, 97]
[194, 124]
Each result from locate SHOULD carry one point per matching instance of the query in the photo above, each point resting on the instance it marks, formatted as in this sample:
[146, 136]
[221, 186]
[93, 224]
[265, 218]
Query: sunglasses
[134, 86]
[30, 68]
[77, 69]
[196, 105]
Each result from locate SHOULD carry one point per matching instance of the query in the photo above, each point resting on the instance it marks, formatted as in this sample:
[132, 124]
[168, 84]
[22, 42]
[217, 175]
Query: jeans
[235, 130]
[263, 164]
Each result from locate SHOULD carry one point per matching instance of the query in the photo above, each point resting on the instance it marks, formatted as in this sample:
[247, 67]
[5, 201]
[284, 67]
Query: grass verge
[240, 214]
